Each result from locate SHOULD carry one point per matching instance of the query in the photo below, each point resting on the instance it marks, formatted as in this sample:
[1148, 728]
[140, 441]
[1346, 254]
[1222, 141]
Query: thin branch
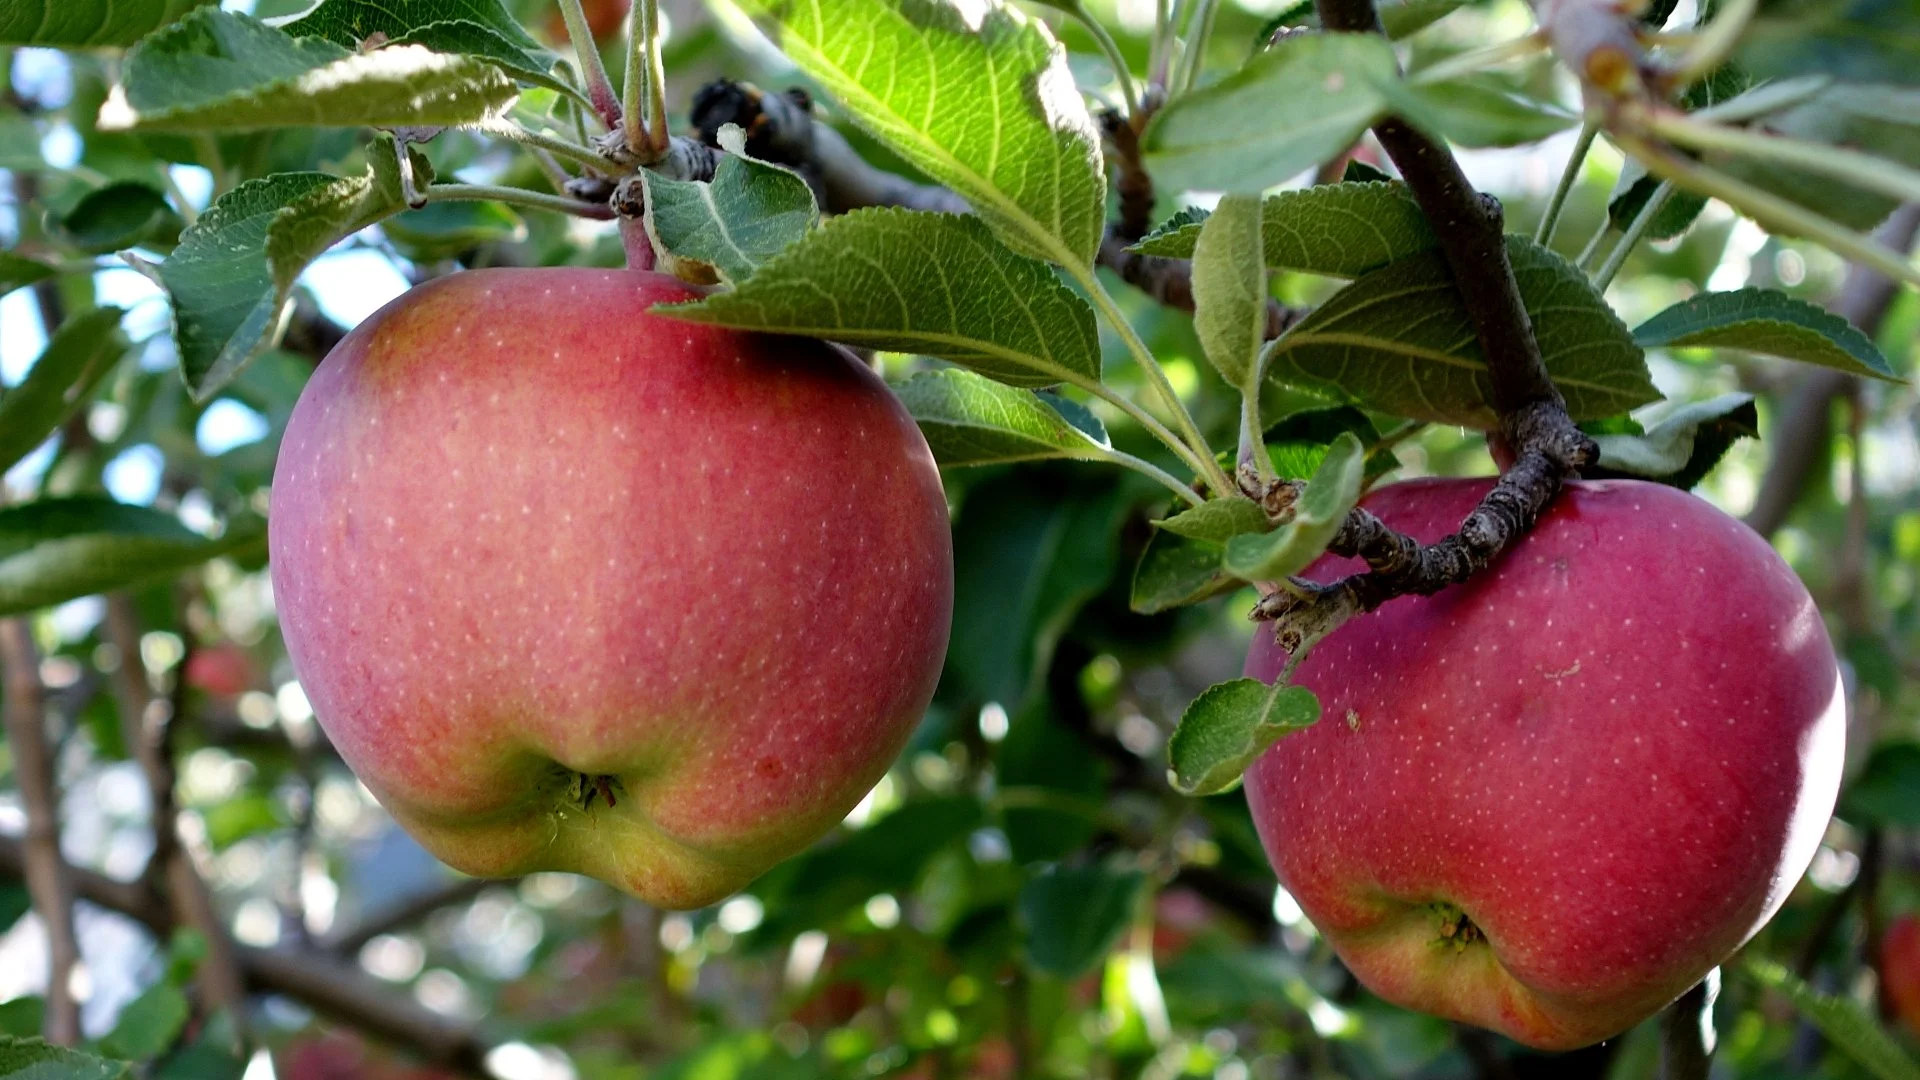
[1569, 176]
[538, 200]
[171, 873]
[1629, 239]
[552, 144]
[1853, 167]
[1799, 437]
[320, 981]
[406, 912]
[45, 871]
[1129, 90]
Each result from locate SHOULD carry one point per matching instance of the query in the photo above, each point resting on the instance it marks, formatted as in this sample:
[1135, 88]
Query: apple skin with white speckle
[1548, 801]
[572, 586]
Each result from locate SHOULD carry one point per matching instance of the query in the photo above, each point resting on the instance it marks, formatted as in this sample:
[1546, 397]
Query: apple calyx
[1457, 931]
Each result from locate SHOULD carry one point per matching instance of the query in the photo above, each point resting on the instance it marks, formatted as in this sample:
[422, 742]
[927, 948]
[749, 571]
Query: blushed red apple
[576, 587]
[1550, 800]
[1900, 970]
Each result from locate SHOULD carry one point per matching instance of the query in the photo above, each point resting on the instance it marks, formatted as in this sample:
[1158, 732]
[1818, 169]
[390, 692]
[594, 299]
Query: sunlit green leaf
[222, 71]
[148, 1024]
[1317, 516]
[1342, 230]
[481, 28]
[747, 214]
[74, 24]
[908, 281]
[969, 419]
[979, 97]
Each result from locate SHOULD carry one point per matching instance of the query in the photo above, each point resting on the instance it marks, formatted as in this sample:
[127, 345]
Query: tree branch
[322, 982]
[1800, 436]
[406, 912]
[1686, 1032]
[1548, 449]
[45, 871]
[170, 872]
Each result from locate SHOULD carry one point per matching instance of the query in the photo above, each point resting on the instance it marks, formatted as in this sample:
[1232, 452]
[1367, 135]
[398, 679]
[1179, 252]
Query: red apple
[576, 587]
[222, 669]
[605, 18]
[1550, 800]
[1900, 970]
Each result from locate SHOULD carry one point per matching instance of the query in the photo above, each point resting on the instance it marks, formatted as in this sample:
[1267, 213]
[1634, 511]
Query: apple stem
[639, 245]
[1686, 1032]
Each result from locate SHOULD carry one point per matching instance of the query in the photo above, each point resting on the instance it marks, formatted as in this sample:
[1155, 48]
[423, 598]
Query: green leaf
[1767, 322]
[19, 142]
[86, 24]
[233, 820]
[35, 1059]
[1230, 290]
[1849, 1028]
[1298, 442]
[1075, 916]
[1858, 40]
[481, 28]
[1478, 111]
[1029, 549]
[969, 419]
[220, 71]
[444, 230]
[118, 216]
[18, 271]
[21, 1017]
[58, 383]
[1630, 196]
[1218, 520]
[1341, 230]
[1228, 726]
[1175, 571]
[1289, 109]
[234, 268]
[977, 96]
[910, 281]
[1399, 340]
[834, 878]
[1317, 516]
[55, 550]
[1887, 791]
[148, 1025]
[1684, 446]
[747, 214]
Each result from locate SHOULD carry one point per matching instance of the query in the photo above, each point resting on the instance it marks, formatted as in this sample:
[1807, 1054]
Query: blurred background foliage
[1023, 895]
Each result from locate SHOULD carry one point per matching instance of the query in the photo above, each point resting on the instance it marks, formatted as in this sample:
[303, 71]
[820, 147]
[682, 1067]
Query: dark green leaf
[148, 1025]
[1175, 571]
[1317, 516]
[123, 215]
[1684, 446]
[1479, 110]
[1218, 520]
[56, 550]
[18, 271]
[1849, 1028]
[34, 1059]
[747, 214]
[221, 71]
[969, 419]
[81, 352]
[886, 856]
[1234, 136]
[1029, 550]
[1887, 791]
[19, 142]
[88, 24]
[1074, 917]
[1767, 322]
[1228, 726]
[445, 230]
[1298, 441]
[22, 1017]
[1631, 195]
[1399, 340]
[979, 97]
[909, 281]
[1857, 40]
[1342, 230]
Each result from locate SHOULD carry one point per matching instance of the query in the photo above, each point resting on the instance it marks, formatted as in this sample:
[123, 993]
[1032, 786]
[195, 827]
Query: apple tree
[959, 538]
